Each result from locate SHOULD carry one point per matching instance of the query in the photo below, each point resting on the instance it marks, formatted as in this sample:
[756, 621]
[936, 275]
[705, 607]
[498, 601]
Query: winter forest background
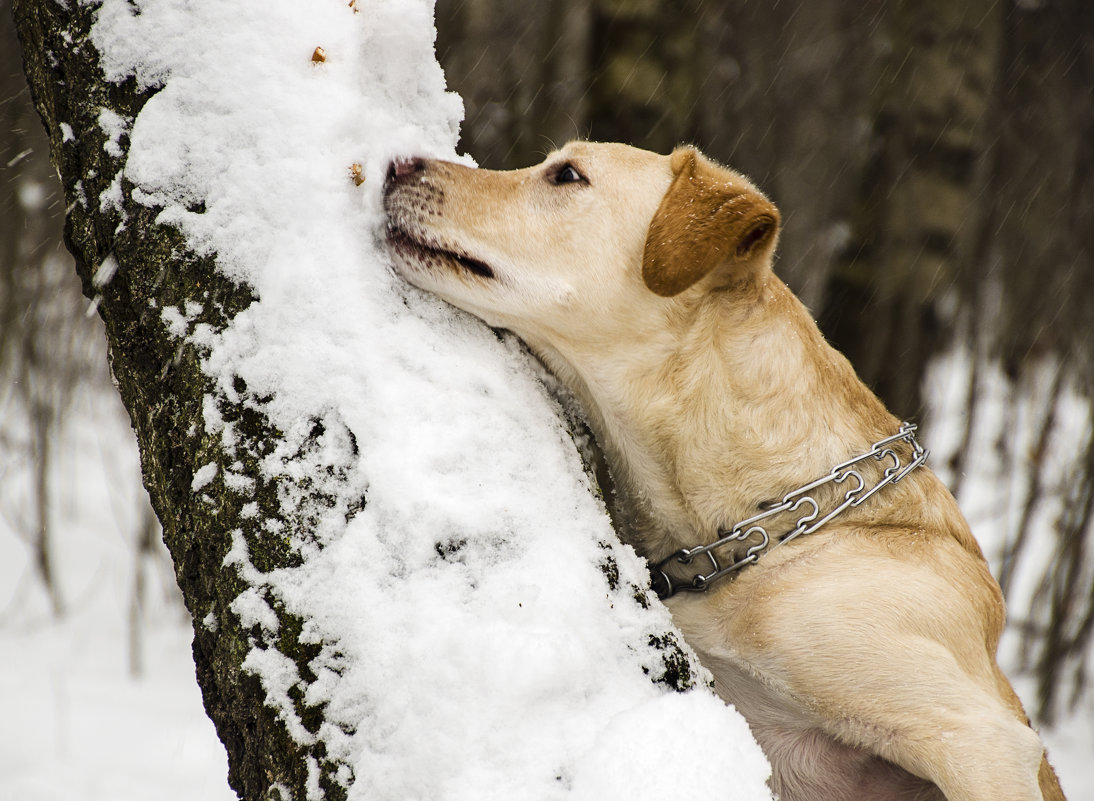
[934, 163]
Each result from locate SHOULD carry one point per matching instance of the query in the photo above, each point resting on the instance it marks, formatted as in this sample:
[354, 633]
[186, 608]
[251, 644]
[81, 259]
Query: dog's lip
[400, 239]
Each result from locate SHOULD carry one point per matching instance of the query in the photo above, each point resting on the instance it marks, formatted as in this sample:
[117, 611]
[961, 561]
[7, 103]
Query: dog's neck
[728, 407]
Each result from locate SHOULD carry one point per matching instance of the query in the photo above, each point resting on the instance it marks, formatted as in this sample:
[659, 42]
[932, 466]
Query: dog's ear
[708, 218]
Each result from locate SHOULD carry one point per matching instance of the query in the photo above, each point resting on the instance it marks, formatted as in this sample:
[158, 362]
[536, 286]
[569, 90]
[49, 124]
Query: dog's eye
[567, 174]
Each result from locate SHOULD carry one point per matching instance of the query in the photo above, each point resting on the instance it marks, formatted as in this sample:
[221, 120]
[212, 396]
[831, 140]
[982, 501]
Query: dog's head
[596, 244]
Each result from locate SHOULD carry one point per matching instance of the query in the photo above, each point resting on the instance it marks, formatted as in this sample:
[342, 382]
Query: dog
[821, 572]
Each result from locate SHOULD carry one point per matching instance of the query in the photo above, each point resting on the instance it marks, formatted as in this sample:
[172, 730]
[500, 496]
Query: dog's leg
[913, 702]
[1050, 782]
[893, 655]
[1046, 776]
[920, 712]
[953, 732]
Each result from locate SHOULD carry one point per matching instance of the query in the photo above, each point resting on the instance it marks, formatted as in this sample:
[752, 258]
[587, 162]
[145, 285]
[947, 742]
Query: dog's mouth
[408, 247]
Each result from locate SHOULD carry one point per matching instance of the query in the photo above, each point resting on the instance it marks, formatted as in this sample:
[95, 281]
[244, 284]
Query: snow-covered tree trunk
[134, 266]
[401, 580]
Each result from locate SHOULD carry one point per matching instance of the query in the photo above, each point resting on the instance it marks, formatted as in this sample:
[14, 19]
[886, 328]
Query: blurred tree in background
[933, 162]
[52, 346]
[47, 344]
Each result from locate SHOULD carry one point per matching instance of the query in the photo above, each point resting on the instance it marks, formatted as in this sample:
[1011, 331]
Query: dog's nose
[407, 166]
[401, 168]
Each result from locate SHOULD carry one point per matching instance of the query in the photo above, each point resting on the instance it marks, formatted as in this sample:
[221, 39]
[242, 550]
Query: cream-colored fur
[862, 655]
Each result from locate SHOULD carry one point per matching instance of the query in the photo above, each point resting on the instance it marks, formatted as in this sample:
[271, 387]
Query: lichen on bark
[160, 378]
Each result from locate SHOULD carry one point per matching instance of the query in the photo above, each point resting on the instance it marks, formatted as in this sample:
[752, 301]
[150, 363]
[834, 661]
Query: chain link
[799, 500]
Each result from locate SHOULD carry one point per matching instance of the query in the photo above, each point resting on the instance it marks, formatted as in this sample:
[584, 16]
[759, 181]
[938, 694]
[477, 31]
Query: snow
[114, 126]
[470, 645]
[77, 722]
[204, 476]
[993, 490]
[104, 272]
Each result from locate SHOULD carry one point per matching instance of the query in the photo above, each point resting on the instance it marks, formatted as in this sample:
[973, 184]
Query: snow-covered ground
[991, 496]
[506, 670]
[78, 720]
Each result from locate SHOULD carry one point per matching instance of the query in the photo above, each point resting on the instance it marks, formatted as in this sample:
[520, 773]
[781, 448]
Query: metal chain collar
[797, 500]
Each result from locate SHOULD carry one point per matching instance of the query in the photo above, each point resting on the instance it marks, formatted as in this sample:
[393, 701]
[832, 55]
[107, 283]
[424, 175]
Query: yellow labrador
[824, 576]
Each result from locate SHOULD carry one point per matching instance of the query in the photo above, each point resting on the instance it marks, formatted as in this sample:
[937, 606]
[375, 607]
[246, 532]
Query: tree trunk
[306, 680]
[42, 438]
[163, 389]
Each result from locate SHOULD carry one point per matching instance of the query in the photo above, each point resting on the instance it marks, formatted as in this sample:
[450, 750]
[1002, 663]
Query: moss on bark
[162, 385]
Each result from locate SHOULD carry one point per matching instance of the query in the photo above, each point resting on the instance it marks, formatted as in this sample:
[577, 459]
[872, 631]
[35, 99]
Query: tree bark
[132, 267]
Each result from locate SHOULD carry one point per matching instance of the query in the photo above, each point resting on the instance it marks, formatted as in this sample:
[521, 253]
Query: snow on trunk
[482, 633]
